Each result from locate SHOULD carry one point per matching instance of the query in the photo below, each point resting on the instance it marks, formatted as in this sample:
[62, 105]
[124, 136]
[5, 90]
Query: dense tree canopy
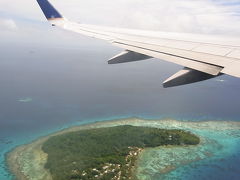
[101, 153]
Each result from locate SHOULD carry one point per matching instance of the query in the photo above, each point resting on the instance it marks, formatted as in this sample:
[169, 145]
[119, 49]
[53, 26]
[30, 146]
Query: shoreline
[19, 162]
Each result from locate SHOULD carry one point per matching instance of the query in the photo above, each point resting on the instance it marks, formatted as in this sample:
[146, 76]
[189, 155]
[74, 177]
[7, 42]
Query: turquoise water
[217, 157]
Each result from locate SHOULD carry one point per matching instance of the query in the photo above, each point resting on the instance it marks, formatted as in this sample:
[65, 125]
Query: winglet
[49, 11]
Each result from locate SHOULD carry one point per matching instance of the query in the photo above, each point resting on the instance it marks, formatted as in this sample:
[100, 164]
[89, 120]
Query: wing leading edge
[203, 57]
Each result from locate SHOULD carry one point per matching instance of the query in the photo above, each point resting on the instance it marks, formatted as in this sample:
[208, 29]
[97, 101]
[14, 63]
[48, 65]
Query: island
[106, 153]
[100, 151]
[25, 100]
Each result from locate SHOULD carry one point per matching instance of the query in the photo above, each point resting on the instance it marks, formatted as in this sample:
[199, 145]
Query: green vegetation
[106, 153]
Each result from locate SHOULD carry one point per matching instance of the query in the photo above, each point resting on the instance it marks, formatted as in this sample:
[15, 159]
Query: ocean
[58, 82]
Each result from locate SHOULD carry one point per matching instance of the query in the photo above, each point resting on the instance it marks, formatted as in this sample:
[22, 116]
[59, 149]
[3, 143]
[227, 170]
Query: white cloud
[196, 16]
[7, 24]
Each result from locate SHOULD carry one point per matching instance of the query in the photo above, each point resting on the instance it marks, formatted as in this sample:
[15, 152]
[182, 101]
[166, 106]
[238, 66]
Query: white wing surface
[203, 57]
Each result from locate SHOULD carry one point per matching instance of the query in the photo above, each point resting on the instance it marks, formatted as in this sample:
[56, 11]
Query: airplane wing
[203, 57]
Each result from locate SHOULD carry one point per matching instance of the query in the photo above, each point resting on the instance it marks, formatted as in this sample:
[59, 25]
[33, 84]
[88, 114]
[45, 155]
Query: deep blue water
[70, 82]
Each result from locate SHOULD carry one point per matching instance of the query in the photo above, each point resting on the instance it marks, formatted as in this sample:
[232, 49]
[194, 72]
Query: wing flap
[187, 54]
[207, 68]
[233, 69]
[234, 54]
